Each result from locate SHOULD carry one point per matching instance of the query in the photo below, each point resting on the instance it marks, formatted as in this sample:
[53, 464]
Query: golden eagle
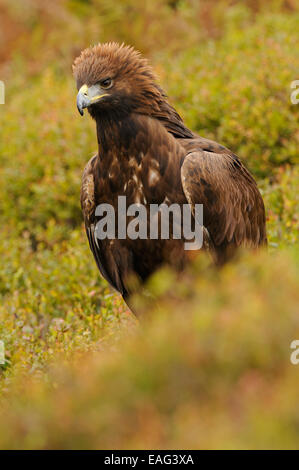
[146, 153]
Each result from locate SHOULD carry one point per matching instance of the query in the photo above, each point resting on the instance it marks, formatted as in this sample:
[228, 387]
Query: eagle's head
[114, 77]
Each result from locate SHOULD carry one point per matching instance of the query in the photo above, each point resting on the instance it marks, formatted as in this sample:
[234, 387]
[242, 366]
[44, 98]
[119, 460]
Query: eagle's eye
[107, 83]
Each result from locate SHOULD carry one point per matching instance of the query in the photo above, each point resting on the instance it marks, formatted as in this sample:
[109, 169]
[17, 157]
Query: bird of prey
[146, 153]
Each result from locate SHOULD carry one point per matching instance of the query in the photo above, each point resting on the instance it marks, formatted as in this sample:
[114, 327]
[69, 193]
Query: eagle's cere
[146, 153]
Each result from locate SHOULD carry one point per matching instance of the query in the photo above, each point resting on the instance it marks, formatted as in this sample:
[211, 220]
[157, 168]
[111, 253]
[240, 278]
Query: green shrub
[210, 367]
[237, 91]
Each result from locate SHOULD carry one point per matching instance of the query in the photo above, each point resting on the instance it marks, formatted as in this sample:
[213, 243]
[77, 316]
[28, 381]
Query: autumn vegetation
[208, 365]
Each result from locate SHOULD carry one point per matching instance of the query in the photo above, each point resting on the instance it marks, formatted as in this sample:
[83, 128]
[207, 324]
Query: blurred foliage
[210, 365]
[210, 368]
[237, 91]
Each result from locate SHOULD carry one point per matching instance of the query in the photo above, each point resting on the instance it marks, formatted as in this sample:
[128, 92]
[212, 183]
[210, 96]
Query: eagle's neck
[171, 120]
[117, 130]
[116, 133]
[156, 105]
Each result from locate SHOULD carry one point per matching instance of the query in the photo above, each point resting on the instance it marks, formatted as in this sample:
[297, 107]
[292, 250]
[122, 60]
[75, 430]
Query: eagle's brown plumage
[146, 153]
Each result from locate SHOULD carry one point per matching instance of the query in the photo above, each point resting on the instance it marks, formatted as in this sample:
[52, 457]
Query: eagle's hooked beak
[87, 96]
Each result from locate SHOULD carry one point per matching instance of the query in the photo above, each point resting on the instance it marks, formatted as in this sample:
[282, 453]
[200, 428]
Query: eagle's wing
[106, 266]
[233, 209]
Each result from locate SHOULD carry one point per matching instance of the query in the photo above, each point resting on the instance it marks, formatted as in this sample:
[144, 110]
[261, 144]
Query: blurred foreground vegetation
[209, 367]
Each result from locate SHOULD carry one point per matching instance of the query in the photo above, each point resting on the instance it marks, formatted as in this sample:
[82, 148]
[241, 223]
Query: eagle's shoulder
[201, 143]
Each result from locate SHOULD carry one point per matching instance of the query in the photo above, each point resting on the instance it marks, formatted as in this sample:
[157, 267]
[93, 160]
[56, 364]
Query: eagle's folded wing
[233, 209]
[105, 263]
